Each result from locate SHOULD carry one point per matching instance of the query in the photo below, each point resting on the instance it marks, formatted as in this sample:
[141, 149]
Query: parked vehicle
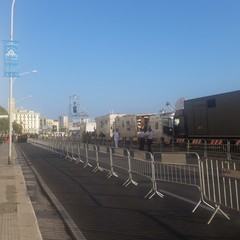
[216, 116]
[105, 125]
[129, 125]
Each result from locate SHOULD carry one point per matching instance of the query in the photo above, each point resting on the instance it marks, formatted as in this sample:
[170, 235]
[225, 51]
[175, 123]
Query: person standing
[141, 139]
[149, 139]
[116, 136]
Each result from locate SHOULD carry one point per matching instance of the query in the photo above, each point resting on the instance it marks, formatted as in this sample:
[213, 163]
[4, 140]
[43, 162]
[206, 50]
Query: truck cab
[179, 124]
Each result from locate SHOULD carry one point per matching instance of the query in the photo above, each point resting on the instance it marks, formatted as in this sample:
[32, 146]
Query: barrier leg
[79, 155]
[112, 174]
[87, 164]
[67, 155]
[153, 192]
[129, 181]
[204, 202]
[198, 204]
[214, 213]
[97, 168]
[130, 178]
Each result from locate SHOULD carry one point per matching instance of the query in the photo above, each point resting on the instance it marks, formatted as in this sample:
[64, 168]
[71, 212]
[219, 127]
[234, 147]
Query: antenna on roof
[170, 106]
[180, 103]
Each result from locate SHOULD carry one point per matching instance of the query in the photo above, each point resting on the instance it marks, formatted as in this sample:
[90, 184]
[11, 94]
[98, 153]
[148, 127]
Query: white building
[87, 125]
[48, 125]
[63, 122]
[28, 119]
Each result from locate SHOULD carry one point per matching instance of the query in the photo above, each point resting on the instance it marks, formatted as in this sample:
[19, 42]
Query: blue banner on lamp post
[11, 66]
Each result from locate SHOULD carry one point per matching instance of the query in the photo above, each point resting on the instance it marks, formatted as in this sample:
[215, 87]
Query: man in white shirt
[149, 139]
[116, 137]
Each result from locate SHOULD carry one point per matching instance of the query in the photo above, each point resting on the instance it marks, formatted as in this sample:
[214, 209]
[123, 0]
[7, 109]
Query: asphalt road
[102, 209]
[50, 222]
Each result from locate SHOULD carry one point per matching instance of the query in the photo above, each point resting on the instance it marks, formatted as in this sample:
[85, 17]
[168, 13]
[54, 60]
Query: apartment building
[28, 119]
[48, 125]
[63, 122]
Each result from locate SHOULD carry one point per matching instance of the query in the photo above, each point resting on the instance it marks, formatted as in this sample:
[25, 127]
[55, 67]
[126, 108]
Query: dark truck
[216, 116]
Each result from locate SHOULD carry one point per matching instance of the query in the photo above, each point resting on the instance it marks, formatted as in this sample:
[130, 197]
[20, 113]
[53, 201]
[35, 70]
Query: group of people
[145, 137]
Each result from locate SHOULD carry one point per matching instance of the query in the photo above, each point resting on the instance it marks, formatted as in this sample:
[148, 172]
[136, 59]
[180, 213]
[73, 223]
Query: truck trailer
[216, 116]
[130, 125]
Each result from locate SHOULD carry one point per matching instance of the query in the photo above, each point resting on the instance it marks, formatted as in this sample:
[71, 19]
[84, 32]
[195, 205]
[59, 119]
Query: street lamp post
[10, 92]
[10, 95]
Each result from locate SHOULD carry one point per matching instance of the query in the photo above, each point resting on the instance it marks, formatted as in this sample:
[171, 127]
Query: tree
[4, 123]
[4, 126]
[17, 128]
[3, 111]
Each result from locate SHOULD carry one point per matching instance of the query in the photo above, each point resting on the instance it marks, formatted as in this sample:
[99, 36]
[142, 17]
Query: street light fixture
[14, 102]
[21, 74]
[20, 99]
[25, 73]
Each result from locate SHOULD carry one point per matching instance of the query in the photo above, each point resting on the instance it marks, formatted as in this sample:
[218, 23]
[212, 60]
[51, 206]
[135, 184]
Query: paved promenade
[17, 217]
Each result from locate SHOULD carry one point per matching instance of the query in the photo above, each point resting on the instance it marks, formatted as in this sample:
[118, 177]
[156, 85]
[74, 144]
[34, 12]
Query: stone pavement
[17, 217]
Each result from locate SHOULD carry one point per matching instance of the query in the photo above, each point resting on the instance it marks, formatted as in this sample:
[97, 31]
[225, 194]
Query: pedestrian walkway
[17, 217]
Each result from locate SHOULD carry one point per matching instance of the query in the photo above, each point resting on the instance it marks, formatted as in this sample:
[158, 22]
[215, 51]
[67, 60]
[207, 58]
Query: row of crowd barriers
[217, 180]
[229, 146]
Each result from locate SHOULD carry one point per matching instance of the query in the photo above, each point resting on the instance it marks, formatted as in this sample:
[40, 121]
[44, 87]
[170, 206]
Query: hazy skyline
[124, 56]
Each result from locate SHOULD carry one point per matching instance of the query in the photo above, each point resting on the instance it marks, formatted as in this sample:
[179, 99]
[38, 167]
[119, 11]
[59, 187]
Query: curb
[68, 222]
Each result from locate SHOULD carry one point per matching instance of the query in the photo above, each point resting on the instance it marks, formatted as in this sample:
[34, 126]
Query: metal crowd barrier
[183, 168]
[206, 146]
[142, 163]
[178, 167]
[217, 145]
[234, 148]
[216, 180]
[221, 180]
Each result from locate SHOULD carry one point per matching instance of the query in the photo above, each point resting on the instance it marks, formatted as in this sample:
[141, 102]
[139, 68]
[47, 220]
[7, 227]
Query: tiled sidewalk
[17, 217]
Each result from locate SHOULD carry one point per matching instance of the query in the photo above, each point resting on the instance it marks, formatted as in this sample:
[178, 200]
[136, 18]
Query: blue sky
[125, 56]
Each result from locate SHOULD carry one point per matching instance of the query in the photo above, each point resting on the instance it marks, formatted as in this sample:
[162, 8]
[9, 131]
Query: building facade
[48, 126]
[63, 123]
[87, 125]
[28, 119]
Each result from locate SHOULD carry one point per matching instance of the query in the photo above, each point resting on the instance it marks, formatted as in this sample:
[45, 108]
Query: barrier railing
[118, 160]
[182, 168]
[142, 163]
[234, 148]
[216, 180]
[76, 153]
[196, 144]
[178, 167]
[103, 156]
[221, 180]
[217, 145]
